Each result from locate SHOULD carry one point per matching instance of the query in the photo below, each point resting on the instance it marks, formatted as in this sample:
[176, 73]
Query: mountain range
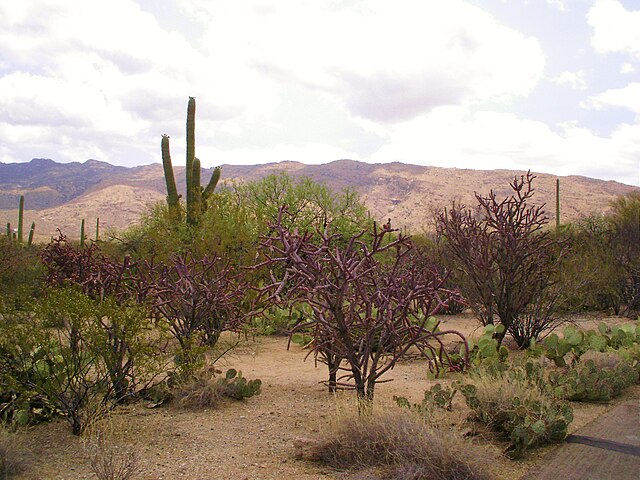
[60, 195]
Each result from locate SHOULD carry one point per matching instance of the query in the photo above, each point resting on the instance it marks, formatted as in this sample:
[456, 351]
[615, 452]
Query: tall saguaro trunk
[191, 155]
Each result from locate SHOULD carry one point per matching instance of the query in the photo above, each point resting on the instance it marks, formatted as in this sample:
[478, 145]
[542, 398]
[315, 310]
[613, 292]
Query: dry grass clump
[198, 391]
[495, 396]
[12, 458]
[394, 446]
[113, 462]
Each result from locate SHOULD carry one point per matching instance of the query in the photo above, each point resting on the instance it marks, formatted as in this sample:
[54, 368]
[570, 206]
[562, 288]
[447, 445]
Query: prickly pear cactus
[591, 382]
[236, 386]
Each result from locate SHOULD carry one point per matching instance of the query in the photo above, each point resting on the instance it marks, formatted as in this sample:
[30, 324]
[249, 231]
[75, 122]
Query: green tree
[624, 220]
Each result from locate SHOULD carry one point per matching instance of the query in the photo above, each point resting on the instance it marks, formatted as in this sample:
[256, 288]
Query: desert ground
[254, 438]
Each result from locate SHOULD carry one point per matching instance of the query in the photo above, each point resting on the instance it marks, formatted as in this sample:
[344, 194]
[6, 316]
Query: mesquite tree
[370, 303]
[624, 221]
[501, 248]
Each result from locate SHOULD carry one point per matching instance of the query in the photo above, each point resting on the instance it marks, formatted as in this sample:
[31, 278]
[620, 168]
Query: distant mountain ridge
[61, 194]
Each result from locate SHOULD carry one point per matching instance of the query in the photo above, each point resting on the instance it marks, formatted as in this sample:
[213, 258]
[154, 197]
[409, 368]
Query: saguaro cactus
[196, 196]
[20, 237]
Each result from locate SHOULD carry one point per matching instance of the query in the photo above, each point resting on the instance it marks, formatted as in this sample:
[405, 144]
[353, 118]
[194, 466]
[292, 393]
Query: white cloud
[385, 61]
[627, 97]
[627, 68]
[559, 4]
[295, 79]
[615, 29]
[574, 80]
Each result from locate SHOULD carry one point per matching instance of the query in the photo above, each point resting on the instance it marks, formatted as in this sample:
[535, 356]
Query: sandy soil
[252, 439]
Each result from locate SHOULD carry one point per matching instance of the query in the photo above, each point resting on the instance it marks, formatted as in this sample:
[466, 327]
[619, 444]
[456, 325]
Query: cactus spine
[196, 195]
[557, 203]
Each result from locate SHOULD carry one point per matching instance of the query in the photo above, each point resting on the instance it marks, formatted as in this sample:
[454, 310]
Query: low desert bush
[12, 459]
[394, 446]
[112, 462]
[204, 390]
[516, 404]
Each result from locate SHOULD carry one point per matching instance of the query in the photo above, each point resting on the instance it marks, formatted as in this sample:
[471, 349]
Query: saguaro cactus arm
[31, 232]
[173, 199]
[211, 186]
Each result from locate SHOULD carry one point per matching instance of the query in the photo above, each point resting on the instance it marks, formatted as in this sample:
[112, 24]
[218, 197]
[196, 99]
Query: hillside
[60, 195]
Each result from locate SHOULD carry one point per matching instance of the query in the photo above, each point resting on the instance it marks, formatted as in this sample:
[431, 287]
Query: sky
[547, 85]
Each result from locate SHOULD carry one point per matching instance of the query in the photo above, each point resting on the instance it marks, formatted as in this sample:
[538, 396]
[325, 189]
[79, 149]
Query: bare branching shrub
[506, 256]
[198, 300]
[395, 446]
[371, 298]
[113, 462]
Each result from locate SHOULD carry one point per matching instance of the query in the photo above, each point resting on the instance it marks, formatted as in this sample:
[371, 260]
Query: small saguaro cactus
[19, 237]
[82, 237]
[196, 195]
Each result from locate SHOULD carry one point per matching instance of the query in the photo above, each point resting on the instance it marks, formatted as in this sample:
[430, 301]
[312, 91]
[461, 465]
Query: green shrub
[280, 321]
[20, 273]
[78, 356]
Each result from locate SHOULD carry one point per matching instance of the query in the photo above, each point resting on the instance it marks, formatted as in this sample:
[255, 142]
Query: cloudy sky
[550, 85]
